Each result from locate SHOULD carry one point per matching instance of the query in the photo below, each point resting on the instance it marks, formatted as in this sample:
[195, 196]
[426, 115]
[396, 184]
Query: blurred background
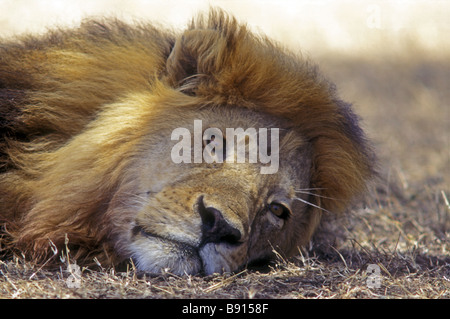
[391, 59]
[352, 26]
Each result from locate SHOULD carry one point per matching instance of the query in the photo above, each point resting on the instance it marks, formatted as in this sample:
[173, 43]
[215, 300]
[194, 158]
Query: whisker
[317, 195]
[311, 204]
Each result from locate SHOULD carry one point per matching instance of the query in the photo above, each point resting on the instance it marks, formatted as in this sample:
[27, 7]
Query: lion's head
[123, 142]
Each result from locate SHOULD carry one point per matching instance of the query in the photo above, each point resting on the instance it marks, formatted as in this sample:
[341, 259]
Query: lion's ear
[193, 57]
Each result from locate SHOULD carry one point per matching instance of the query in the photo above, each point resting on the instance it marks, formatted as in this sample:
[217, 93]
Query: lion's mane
[65, 152]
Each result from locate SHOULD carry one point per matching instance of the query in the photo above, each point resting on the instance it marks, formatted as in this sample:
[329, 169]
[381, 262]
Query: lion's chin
[220, 258]
[155, 255]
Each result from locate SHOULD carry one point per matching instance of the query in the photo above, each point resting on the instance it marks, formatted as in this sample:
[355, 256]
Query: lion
[87, 121]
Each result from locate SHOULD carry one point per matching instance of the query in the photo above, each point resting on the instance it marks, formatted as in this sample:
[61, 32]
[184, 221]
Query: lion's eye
[279, 210]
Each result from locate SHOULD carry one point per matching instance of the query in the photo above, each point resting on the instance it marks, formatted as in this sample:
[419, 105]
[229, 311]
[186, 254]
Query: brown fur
[59, 181]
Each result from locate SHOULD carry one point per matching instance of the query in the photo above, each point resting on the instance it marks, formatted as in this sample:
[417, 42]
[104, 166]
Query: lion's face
[199, 217]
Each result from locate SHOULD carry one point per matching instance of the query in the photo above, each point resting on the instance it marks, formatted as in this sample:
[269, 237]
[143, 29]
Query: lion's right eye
[279, 210]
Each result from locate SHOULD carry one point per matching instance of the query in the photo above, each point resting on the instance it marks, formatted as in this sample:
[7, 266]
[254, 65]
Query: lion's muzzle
[215, 229]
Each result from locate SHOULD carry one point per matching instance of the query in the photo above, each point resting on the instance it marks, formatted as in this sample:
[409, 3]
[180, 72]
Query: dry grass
[404, 226]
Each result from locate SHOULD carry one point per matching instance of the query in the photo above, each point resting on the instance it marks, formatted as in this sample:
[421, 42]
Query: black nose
[215, 228]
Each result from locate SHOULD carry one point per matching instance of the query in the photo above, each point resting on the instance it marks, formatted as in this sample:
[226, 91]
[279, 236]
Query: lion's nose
[215, 228]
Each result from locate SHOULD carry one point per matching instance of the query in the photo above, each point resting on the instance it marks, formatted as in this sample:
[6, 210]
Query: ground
[401, 230]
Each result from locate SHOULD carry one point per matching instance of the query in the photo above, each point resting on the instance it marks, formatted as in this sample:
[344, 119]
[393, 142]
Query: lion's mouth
[143, 232]
[154, 253]
[183, 245]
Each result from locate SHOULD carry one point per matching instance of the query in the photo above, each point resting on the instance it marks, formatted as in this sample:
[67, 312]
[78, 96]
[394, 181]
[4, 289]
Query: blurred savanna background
[391, 59]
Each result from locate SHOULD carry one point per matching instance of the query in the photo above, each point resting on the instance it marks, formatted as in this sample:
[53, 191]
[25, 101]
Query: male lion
[87, 143]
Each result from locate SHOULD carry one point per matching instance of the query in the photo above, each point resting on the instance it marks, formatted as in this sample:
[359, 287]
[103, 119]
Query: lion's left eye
[279, 210]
